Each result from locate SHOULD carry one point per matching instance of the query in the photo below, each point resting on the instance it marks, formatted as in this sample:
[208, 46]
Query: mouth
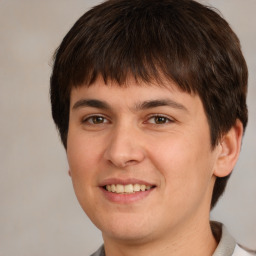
[126, 191]
[128, 188]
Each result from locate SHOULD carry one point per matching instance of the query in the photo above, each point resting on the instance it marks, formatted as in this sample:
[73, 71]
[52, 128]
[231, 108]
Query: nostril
[130, 162]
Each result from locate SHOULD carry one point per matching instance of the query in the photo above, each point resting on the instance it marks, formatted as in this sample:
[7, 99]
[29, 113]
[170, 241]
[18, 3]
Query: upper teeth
[130, 188]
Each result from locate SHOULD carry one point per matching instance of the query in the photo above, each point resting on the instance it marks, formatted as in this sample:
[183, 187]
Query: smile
[127, 189]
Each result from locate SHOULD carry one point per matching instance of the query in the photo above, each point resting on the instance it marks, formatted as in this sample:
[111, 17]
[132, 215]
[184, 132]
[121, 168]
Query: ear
[69, 173]
[230, 146]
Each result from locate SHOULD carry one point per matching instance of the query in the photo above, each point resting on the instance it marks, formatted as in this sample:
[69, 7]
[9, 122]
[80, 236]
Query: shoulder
[227, 245]
[241, 251]
[99, 252]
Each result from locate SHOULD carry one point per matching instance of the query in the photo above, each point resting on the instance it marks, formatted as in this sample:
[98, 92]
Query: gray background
[39, 214]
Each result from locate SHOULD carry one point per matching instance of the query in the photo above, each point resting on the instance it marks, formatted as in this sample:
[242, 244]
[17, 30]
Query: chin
[128, 236]
[128, 230]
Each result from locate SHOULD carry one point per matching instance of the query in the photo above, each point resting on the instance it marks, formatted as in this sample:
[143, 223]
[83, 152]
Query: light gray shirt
[227, 245]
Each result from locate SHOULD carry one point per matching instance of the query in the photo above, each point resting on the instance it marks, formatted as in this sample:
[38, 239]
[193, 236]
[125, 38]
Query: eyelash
[165, 120]
[87, 119]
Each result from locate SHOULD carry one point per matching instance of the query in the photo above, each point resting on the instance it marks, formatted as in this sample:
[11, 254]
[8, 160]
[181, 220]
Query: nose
[124, 147]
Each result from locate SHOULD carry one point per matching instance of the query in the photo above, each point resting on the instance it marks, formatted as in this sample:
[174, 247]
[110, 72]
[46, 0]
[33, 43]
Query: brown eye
[98, 119]
[160, 120]
[95, 120]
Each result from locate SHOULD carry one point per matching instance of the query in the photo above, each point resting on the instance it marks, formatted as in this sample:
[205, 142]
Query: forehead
[113, 86]
[131, 84]
[135, 95]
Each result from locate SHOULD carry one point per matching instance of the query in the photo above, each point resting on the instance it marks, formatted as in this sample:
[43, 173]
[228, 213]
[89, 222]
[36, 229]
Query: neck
[195, 239]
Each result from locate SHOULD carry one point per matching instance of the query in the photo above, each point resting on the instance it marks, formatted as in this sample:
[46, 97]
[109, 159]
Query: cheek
[186, 166]
[82, 152]
[81, 159]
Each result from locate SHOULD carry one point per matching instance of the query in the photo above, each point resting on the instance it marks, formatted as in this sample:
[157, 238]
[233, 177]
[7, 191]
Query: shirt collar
[226, 244]
[225, 247]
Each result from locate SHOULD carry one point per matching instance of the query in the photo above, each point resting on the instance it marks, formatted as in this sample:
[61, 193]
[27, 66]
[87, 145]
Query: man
[149, 97]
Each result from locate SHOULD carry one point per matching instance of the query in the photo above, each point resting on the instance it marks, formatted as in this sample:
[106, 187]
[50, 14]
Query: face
[140, 159]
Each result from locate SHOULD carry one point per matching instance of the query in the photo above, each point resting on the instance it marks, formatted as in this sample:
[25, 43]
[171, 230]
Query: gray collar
[99, 252]
[225, 247]
[226, 244]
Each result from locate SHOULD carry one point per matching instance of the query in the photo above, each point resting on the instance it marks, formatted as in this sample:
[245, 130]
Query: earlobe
[69, 173]
[230, 146]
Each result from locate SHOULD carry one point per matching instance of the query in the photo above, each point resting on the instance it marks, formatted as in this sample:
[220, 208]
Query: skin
[166, 145]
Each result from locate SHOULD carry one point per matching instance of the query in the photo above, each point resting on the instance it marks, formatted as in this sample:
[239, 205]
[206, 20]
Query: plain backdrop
[39, 214]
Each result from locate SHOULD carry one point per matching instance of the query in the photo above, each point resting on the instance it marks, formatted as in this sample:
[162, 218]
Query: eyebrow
[91, 103]
[139, 106]
[159, 103]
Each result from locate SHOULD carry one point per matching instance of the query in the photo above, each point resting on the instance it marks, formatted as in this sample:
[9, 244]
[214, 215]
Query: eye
[159, 120]
[95, 120]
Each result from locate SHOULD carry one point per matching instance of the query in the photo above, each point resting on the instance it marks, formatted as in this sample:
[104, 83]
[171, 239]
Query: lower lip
[126, 198]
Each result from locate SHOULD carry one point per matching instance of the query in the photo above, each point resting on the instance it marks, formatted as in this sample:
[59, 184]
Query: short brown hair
[184, 41]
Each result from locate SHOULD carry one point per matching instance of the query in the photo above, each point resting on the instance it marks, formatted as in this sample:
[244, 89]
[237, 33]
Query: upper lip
[111, 181]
